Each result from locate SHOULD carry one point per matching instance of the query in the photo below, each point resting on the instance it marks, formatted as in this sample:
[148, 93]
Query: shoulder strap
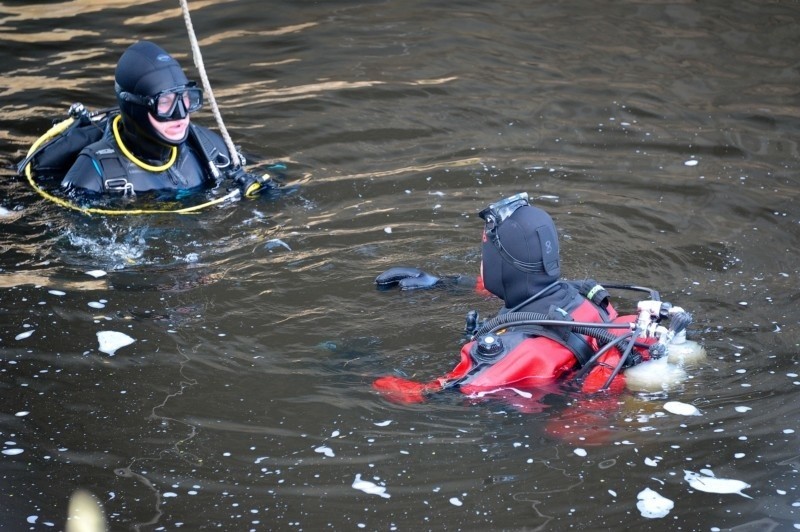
[203, 142]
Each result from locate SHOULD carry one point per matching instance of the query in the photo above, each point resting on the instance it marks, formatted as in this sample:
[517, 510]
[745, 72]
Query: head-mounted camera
[497, 212]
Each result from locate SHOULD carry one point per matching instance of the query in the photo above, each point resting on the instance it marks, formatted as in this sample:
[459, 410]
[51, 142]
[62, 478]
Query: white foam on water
[387, 230]
[96, 304]
[23, 335]
[369, 487]
[383, 423]
[580, 452]
[707, 482]
[455, 501]
[110, 341]
[742, 409]
[22, 413]
[653, 505]
[97, 273]
[324, 449]
[691, 162]
[12, 452]
[681, 409]
[57, 292]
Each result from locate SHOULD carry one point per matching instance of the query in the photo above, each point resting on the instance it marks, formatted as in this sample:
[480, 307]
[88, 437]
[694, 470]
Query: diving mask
[171, 104]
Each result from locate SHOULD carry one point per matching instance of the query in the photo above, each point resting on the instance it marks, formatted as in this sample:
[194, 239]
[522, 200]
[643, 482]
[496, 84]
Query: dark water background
[662, 136]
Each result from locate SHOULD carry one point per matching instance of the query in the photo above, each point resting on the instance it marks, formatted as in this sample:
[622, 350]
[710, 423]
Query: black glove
[407, 278]
[250, 184]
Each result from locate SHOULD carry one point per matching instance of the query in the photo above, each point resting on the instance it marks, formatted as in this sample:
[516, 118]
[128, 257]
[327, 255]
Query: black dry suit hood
[530, 238]
[145, 69]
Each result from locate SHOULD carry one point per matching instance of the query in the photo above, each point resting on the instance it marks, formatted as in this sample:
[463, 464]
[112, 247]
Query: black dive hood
[520, 255]
[145, 69]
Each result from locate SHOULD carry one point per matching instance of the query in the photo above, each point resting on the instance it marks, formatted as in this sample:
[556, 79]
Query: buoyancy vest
[528, 357]
[87, 156]
[100, 167]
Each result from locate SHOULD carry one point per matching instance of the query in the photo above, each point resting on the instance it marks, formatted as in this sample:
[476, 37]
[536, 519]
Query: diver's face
[174, 130]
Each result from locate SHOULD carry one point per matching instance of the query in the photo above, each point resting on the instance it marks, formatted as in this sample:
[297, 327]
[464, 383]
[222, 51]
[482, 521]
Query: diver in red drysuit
[518, 355]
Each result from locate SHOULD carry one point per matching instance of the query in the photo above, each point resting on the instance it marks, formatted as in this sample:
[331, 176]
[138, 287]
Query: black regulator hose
[595, 330]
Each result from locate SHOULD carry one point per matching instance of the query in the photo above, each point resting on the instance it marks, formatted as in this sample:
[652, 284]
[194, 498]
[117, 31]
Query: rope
[198, 62]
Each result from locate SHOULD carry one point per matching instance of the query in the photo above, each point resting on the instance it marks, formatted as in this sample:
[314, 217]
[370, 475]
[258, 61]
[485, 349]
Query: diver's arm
[84, 174]
[410, 278]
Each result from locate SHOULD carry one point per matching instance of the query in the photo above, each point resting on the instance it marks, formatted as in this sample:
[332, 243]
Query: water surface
[662, 136]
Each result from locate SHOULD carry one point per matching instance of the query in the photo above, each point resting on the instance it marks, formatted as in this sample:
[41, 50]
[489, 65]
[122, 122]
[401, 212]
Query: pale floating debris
[681, 409]
[335, 434]
[612, 493]
[97, 273]
[324, 449]
[275, 242]
[455, 501]
[437, 193]
[23, 335]
[788, 431]
[32, 519]
[12, 452]
[96, 304]
[387, 230]
[110, 341]
[739, 455]
[56, 292]
[691, 162]
[711, 484]
[169, 494]
[23, 413]
[383, 423]
[653, 505]
[742, 409]
[652, 462]
[369, 487]
[580, 452]
[479, 395]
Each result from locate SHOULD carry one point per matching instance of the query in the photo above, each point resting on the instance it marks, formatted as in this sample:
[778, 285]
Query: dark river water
[661, 135]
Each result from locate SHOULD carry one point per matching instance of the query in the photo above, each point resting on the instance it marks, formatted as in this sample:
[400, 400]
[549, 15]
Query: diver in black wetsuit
[151, 144]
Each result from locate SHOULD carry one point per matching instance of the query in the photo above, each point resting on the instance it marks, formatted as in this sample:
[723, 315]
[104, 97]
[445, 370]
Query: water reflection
[664, 146]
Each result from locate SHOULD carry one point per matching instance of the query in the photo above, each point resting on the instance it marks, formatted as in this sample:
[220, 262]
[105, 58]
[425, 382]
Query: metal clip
[120, 184]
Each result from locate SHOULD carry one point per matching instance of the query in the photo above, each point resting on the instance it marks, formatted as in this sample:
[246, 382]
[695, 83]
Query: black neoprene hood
[528, 235]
